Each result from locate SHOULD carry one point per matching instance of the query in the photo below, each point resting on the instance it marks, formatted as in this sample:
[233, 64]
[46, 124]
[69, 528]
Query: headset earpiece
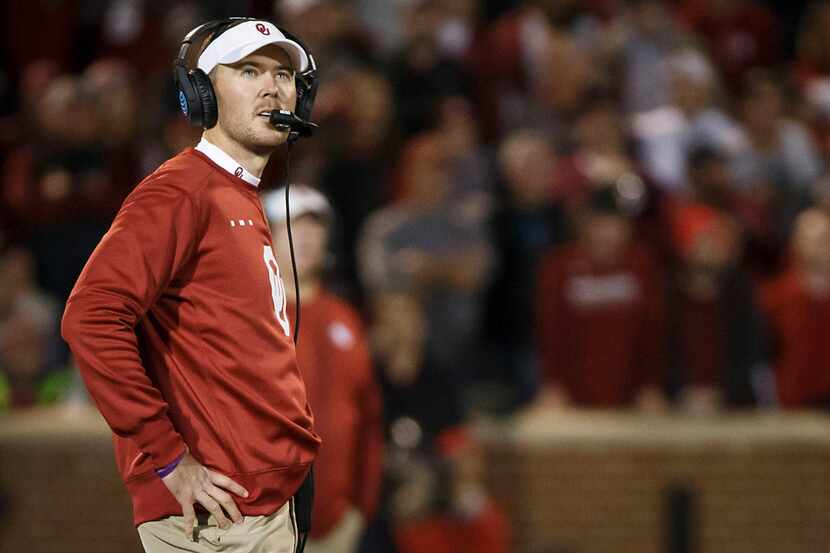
[197, 100]
[207, 98]
[188, 97]
[306, 84]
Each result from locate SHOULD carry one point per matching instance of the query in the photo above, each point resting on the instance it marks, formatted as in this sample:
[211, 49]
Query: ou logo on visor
[263, 29]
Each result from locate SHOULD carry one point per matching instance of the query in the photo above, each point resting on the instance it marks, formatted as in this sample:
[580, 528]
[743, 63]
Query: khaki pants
[276, 533]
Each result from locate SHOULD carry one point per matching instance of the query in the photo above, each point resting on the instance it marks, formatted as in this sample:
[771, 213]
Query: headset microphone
[285, 120]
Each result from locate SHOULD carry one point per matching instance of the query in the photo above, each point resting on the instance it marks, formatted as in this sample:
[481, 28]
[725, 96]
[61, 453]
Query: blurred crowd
[619, 204]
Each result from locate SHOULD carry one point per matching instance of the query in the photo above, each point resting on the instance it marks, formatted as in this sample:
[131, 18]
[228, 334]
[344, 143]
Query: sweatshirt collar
[226, 162]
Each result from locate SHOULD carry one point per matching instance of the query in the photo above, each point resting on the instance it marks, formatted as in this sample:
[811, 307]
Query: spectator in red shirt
[739, 34]
[333, 355]
[715, 322]
[712, 183]
[797, 305]
[461, 517]
[600, 313]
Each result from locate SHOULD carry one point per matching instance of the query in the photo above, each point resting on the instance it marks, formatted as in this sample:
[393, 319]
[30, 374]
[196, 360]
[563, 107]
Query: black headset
[197, 99]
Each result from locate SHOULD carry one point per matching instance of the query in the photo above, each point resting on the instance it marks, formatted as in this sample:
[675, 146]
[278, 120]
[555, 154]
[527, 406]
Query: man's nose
[272, 87]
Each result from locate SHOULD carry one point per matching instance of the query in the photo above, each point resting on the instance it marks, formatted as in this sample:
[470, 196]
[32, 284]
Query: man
[600, 313]
[434, 247]
[713, 321]
[526, 225]
[797, 308]
[333, 353]
[179, 327]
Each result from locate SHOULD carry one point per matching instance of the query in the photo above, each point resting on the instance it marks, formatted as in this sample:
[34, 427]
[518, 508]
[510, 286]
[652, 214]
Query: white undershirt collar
[218, 156]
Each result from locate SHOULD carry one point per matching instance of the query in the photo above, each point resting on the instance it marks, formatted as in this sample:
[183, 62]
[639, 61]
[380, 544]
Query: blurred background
[589, 241]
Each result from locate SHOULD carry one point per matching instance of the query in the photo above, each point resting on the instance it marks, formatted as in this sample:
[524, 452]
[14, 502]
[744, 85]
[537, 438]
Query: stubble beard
[258, 140]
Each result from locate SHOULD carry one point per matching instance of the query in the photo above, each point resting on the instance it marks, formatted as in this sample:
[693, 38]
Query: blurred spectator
[416, 386]
[112, 87]
[811, 67]
[566, 78]
[507, 58]
[62, 188]
[329, 28]
[650, 38]
[137, 32]
[422, 74]
[739, 34]
[779, 152]
[333, 355]
[29, 352]
[454, 514]
[711, 180]
[527, 224]
[691, 118]
[596, 155]
[540, 50]
[712, 184]
[385, 20]
[470, 161]
[433, 248]
[715, 327]
[778, 165]
[17, 128]
[351, 154]
[34, 83]
[450, 23]
[600, 315]
[30, 33]
[820, 196]
[797, 305]
[176, 134]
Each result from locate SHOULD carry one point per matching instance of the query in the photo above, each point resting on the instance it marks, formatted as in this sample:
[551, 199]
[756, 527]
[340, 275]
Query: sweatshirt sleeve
[151, 238]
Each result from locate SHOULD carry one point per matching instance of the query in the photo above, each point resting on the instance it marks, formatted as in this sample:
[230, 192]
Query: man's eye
[249, 72]
[284, 75]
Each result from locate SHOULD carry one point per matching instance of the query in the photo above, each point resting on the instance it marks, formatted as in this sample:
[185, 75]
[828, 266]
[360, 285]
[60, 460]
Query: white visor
[305, 200]
[246, 38]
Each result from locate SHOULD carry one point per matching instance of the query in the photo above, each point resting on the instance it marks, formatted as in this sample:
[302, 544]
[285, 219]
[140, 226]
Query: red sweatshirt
[178, 326]
[333, 354]
[600, 333]
[702, 340]
[800, 324]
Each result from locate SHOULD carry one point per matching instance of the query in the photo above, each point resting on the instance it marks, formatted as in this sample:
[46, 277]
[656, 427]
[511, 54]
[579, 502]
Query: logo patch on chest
[242, 223]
